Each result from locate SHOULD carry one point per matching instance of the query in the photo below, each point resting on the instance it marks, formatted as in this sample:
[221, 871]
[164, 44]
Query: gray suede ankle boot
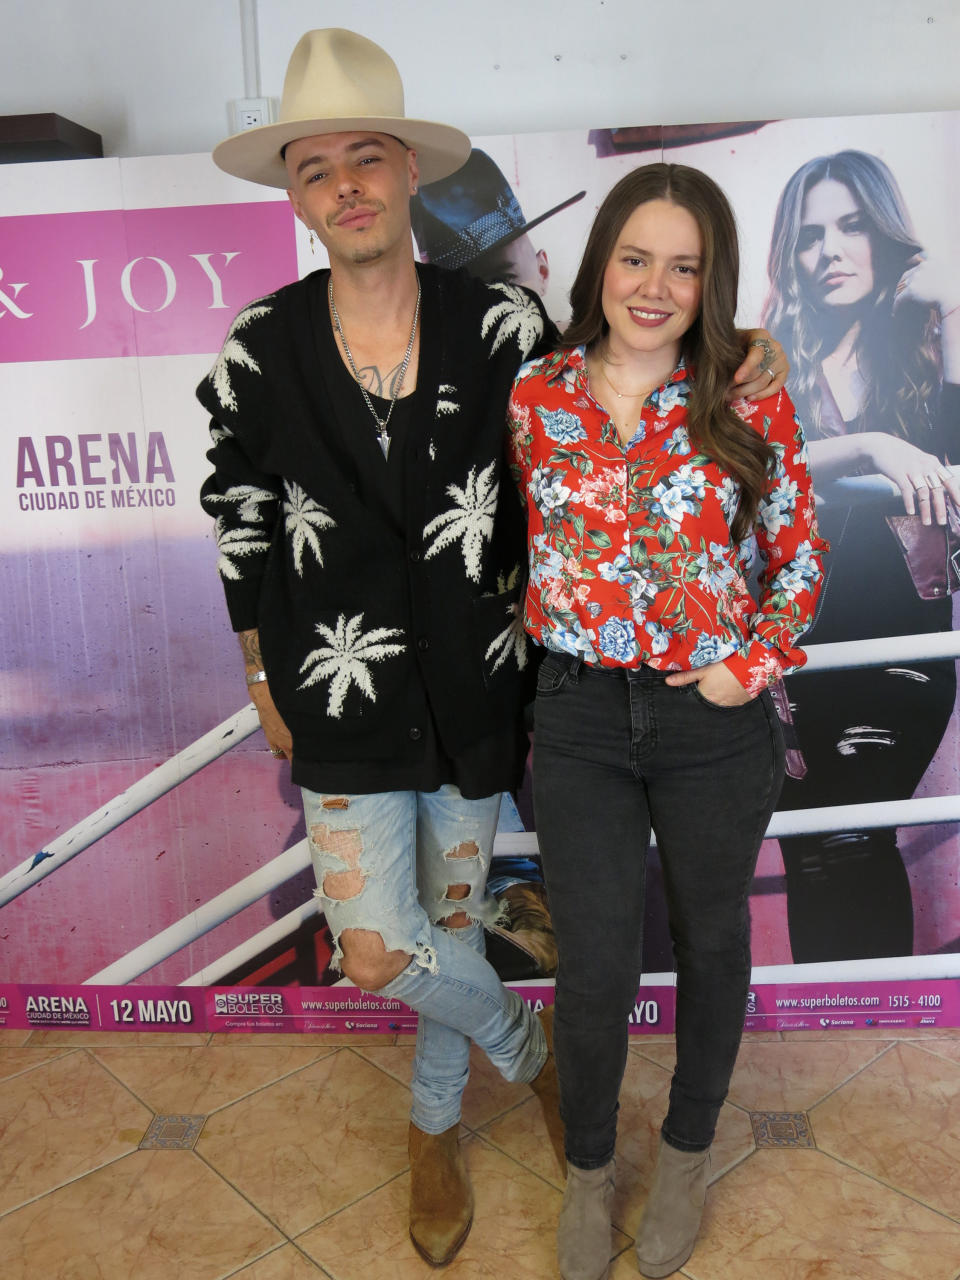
[671, 1219]
[583, 1232]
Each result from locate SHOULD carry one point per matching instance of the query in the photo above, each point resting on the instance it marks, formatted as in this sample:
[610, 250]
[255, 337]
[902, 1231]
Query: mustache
[348, 206]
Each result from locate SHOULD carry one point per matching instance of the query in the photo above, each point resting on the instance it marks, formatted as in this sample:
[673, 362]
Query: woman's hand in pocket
[716, 683]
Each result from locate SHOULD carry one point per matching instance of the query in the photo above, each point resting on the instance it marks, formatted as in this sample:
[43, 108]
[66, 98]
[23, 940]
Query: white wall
[156, 78]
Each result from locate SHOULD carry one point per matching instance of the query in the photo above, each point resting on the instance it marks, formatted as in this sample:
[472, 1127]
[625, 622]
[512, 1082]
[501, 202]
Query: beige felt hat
[339, 82]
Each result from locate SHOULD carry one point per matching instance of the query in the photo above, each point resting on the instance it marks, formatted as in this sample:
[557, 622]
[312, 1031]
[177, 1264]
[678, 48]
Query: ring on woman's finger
[766, 347]
[277, 752]
[773, 376]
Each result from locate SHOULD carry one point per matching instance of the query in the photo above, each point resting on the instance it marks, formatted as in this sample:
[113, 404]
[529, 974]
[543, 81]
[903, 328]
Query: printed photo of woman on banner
[849, 257]
[868, 346]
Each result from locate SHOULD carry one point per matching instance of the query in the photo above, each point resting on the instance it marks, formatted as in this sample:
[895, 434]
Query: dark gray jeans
[614, 754]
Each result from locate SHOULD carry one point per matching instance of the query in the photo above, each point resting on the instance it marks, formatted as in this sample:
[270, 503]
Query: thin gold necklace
[621, 395]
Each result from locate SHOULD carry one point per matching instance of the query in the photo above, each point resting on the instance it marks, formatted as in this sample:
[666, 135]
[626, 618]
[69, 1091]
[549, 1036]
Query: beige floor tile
[787, 1077]
[76, 1038]
[793, 1077]
[643, 1105]
[900, 1121]
[644, 1096]
[311, 1039]
[154, 1215]
[487, 1094]
[625, 1266]
[198, 1081]
[308, 1145]
[662, 1049]
[522, 1134]
[949, 1049]
[61, 1120]
[395, 1059]
[799, 1215]
[512, 1237]
[287, 1263]
[10, 1038]
[15, 1061]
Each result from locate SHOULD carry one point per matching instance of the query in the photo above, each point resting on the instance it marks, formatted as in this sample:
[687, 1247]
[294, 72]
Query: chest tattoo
[380, 383]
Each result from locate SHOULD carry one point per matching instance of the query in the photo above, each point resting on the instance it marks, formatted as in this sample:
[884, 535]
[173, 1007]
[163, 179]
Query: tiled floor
[837, 1158]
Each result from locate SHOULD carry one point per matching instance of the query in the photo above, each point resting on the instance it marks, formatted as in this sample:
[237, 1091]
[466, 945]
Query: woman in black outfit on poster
[875, 368]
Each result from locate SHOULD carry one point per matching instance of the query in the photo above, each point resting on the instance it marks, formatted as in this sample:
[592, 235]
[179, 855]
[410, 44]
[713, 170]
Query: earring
[313, 242]
[414, 191]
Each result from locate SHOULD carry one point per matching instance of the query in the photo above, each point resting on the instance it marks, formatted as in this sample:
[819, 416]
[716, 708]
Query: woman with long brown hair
[647, 494]
[869, 353]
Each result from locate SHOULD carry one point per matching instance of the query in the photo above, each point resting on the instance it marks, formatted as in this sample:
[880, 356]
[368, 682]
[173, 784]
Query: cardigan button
[415, 556]
[423, 644]
[416, 734]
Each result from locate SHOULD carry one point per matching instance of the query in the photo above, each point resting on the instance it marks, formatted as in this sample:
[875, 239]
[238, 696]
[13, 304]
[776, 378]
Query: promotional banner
[154, 871]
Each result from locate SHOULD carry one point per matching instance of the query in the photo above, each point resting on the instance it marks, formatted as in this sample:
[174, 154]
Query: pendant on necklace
[384, 442]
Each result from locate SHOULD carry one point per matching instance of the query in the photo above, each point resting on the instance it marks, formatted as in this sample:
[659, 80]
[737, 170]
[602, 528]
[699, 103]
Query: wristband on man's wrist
[256, 677]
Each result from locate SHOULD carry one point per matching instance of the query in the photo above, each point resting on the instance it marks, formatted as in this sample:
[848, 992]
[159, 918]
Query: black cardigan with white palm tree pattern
[347, 605]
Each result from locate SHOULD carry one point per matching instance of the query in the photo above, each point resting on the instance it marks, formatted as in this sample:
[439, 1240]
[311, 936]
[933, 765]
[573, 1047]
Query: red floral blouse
[630, 556]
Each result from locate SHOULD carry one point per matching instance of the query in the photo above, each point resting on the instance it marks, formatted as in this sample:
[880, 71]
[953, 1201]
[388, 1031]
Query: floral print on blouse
[630, 555]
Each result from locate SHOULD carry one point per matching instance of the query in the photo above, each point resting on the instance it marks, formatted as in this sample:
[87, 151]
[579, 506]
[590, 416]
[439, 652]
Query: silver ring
[277, 753]
[765, 346]
[773, 376]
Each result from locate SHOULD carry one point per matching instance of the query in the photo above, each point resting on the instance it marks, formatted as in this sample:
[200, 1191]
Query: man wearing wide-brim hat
[373, 571]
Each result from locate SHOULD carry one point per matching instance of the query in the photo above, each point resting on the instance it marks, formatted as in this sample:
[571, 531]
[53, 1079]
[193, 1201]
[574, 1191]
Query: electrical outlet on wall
[250, 113]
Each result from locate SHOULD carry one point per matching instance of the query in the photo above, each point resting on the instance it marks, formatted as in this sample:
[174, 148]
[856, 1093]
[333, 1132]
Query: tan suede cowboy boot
[441, 1198]
[528, 925]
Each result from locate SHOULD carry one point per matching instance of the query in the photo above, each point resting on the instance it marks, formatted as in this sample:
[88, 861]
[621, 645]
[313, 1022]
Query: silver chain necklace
[383, 436]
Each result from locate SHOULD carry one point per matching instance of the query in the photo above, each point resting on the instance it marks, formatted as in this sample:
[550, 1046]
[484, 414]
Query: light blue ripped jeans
[385, 863]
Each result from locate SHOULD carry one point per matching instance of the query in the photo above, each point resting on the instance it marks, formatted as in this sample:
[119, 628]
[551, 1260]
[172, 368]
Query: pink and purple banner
[345, 1010]
[118, 656]
[136, 282]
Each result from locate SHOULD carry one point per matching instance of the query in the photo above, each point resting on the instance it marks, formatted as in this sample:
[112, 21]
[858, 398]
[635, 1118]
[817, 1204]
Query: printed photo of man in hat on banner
[473, 219]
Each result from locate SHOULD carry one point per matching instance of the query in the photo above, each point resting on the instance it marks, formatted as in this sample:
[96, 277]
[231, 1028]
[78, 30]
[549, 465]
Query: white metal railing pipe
[841, 817]
[886, 651]
[207, 917]
[849, 654]
[505, 844]
[892, 813]
[253, 946]
[136, 797]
